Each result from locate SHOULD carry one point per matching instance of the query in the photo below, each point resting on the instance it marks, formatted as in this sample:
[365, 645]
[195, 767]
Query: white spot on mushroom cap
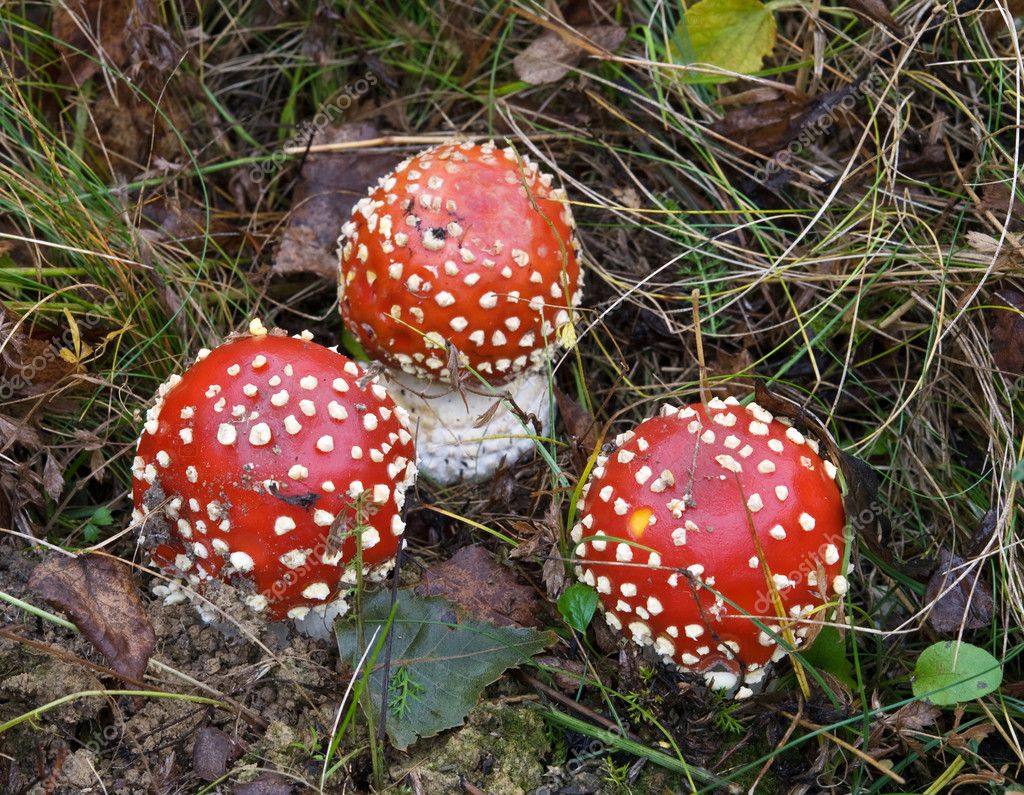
[226, 434]
[317, 590]
[260, 434]
[241, 561]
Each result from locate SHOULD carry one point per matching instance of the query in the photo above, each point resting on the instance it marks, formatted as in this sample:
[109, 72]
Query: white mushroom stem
[449, 445]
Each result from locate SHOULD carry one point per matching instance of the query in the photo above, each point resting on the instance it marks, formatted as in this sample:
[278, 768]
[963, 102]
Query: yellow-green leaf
[730, 34]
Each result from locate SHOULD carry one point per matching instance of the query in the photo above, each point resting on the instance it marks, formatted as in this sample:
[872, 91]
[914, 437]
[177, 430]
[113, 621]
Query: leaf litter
[98, 594]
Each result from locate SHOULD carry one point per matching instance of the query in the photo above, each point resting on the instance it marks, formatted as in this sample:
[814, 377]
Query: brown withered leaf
[913, 717]
[551, 55]
[1007, 331]
[88, 33]
[878, 11]
[553, 573]
[53, 477]
[485, 589]
[267, 784]
[577, 420]
[763, 126]
[330, 184]
[531, 537]
[29, 361]
[189, 227]
[976, 733]
[6, 509]
[213, 751]
[997, 198]
[99, 596]
[958, 595]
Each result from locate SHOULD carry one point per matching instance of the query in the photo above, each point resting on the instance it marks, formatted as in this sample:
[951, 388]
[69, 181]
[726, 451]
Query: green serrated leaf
[949, 673]
[445, 663]
[731, 34]
[577, 605]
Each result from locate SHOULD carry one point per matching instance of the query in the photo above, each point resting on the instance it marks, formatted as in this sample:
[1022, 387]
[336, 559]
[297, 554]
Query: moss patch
[500, 749]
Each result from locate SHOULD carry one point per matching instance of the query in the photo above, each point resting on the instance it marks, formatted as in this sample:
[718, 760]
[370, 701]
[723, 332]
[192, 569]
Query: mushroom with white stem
[467, 245]
[710, 535]
[257, 465]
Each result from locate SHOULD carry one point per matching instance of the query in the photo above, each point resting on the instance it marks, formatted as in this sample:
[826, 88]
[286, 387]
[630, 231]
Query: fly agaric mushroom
[260, 463]
[467, 245]
[707, 526]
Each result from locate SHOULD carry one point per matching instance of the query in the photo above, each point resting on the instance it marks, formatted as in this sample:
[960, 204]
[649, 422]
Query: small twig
[705, 393]
[847, 746]
[575, 706]
[393, 140]
[470, 787]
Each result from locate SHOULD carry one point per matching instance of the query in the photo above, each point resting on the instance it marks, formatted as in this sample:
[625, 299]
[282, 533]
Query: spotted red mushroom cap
[665, 537]
[463, 242]
[251, 457]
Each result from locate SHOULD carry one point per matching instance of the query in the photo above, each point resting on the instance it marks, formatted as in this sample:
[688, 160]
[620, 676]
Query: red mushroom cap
[689, 485]
[254, 453]
[462, 242]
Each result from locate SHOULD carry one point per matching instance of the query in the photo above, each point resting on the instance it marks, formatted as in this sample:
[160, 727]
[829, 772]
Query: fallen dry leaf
[579, 423]
[213, 751]
[99, 596]
[1007, 330]
[878, 11]
[88, 33]
[967, 604]
[997, 198]
[267, 784]
[913, 717]
[29, 360]
[553, 573]
[551, 55]
[330, 184]
[763, 126]
[53, 477]
[488, 591]
[188, 227]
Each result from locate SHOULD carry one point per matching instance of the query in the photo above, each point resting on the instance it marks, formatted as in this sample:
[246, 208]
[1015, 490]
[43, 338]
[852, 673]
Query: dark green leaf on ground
[950, 672]
[442, 664]
[577, 605]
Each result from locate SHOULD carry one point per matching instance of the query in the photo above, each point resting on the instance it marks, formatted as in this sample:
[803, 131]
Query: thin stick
[705, 393]
[847, 746]
[393, 140]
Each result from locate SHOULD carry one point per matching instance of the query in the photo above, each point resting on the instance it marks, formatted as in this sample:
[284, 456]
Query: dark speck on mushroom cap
[688, 484]
[463, 242]
[258, 448]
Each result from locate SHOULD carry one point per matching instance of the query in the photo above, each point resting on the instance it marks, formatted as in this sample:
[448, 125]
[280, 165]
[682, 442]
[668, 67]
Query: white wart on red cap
[464, 243]
[665, 536]
[258, 465]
